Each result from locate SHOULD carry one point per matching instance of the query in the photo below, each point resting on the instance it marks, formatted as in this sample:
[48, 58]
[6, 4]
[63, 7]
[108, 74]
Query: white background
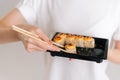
[17, 64]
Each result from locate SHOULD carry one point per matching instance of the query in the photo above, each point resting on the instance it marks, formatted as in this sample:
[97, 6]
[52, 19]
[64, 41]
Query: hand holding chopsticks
[34, 36]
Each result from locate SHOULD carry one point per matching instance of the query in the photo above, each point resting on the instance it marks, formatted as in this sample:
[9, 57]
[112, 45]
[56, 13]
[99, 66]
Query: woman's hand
[32, 45]
[114, 54]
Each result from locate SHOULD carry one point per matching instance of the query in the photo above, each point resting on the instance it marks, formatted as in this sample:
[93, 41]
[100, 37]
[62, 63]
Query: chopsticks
[34, 36]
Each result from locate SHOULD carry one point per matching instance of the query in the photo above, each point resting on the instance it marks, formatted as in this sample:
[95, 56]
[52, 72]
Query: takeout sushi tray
[96, 54]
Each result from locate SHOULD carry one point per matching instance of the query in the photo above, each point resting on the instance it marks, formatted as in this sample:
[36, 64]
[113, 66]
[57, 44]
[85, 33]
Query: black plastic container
[97, 54]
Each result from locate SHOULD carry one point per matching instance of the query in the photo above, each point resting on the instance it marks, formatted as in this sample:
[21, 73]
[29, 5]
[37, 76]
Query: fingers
[43, 36]
[44, 46]
[32, 45]
[71, 59]
[40, 35]
[33, 48]
[35, 45]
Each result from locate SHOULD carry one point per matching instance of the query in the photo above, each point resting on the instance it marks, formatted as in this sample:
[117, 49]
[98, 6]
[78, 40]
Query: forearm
[114, 55]
[7, 35]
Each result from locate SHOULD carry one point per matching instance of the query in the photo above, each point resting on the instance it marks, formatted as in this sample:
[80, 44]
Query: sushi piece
[89, 42]
[71, 48]
[70, 39]
[59, 40]
[62, 35]
[80, 41]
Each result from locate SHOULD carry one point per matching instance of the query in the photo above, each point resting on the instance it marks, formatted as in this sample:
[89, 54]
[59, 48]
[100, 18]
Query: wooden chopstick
[57, 44]
[22, 32]
[34, 36]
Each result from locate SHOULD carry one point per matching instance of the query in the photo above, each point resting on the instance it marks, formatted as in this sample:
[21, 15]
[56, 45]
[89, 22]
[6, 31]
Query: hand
[34, 45]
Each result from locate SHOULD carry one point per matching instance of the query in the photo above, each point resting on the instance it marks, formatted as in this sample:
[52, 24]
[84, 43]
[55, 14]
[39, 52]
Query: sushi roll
[71, 48]
[70, 39]
[89, 42]
[80, 41]
[62, 35]
[59, 40]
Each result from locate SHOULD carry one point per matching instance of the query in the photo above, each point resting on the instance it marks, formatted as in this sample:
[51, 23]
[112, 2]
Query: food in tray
[62, 35]
[89, 42]
[59, 40]
[70, 48]
[79, 41]
[70, 39]
[81, 47]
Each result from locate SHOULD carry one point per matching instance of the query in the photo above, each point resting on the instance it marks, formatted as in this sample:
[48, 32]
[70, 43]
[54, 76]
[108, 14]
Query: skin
[8, 35]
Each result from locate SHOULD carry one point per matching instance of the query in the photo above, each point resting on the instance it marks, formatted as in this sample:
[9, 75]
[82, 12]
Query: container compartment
[97, 54]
